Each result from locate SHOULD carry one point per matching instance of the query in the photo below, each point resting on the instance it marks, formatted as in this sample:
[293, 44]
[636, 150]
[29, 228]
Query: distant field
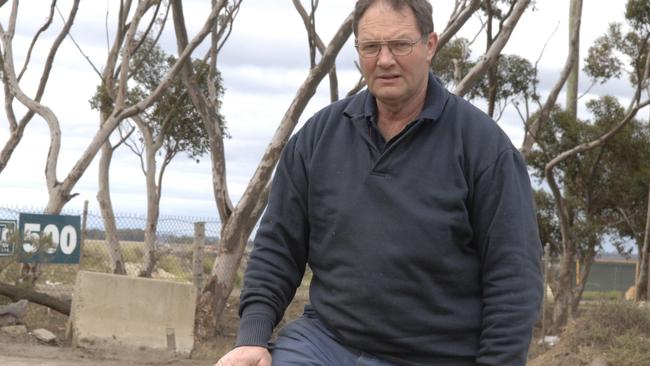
[174, 263]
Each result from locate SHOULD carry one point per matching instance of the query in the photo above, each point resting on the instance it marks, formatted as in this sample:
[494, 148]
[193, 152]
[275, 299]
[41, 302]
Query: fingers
[246, 356]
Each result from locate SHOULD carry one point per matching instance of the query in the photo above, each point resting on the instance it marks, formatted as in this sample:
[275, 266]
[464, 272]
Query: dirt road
[34, 354]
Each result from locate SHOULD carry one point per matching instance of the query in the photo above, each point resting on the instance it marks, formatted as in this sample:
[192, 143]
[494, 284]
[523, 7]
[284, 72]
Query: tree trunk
[106, 208]
[219, 285]
[575, 11]
[643, 282]
[583, 275]
[533, 128]
[153, 204]
[564, 291]
[240, 224]
[18, 293]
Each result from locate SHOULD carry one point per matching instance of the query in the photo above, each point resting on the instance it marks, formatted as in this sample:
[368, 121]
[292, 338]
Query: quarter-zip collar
[362, 112]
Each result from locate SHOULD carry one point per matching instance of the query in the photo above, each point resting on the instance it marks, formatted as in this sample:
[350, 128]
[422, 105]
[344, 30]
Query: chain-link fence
[174, 249]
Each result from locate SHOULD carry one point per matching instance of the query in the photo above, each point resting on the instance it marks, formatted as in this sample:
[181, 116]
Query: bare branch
[545, 112]
[228, 19]
[74, 41]
[120, 114]
[123, 136]
[491, 56]
[315, 39]
[271, 155]
[207, 108]
[43, 28]
[461, 17]
[146, 33]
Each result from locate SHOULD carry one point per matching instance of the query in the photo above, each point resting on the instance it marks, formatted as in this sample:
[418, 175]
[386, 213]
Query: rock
[14, 330]
[598, 361]
[44, 335]
[16, 309]
[550, 340]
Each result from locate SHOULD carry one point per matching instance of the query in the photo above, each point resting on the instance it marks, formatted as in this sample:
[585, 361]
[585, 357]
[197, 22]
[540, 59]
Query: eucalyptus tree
[168, 127]
[606, 58]
[129, 21]
[496, 12]
[596, 186]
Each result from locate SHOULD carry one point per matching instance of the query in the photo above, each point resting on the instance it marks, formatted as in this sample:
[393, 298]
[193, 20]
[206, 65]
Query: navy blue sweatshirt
[425, 252]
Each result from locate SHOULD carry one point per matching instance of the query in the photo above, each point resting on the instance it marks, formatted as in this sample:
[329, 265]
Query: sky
[262, 65]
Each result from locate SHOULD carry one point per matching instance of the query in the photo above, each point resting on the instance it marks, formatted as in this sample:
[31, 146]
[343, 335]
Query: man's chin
[387, 96]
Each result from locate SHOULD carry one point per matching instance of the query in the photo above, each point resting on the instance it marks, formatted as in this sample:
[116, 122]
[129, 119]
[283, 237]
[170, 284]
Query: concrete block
[115, 310]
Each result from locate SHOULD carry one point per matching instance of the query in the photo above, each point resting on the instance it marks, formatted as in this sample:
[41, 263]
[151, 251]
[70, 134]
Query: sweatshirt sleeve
[505, 223]
[277, 262]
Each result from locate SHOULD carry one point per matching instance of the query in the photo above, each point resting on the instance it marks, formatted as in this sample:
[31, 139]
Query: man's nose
[385, 56]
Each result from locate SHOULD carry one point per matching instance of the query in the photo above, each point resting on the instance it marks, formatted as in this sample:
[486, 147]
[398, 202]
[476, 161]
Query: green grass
[602, 295]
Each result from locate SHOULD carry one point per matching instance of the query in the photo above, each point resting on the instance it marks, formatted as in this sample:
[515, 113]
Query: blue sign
[49, 238]
[6, 228]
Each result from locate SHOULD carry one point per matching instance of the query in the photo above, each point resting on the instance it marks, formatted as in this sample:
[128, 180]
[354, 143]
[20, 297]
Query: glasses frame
[389, 44]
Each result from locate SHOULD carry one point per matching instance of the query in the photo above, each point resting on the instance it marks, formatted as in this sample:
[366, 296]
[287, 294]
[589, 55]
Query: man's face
[394, 79]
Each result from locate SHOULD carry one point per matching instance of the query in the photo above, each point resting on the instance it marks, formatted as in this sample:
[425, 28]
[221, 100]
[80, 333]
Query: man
[414, 212]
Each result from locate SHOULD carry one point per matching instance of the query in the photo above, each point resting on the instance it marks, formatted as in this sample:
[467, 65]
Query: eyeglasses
[398, 47]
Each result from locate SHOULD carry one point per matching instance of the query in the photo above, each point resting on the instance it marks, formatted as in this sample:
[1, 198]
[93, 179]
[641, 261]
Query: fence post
[197, 263]
[82, 240]
[545, 268]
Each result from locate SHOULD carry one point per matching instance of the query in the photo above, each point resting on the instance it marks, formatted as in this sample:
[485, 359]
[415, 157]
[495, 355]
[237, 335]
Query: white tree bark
[106, 209]
[492, 55]
[643, 282]
[533, 127]
[60, 192]
[17, 128]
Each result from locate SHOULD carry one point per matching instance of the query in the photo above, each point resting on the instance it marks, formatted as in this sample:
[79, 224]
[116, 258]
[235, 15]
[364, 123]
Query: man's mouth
[388, 77]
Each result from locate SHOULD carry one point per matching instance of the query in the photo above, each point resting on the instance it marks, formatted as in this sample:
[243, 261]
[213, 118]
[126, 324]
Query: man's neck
[392, 119]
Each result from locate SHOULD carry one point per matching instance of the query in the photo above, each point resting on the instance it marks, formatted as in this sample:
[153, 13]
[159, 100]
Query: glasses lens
[400, 47]
[369, 49]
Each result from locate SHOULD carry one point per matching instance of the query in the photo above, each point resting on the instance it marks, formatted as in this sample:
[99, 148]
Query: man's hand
[246, 356]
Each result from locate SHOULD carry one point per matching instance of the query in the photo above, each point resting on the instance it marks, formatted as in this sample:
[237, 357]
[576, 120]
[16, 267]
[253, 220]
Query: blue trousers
[306, 341]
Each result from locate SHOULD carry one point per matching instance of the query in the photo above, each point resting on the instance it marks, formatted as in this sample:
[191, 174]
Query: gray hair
[422, 10]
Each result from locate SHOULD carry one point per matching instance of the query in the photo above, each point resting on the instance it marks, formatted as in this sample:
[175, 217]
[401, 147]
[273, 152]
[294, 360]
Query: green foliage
[549, 227]
[622, 49]
[515, 76]
[498, 9]
[637, 12]
[602, 296]
[452, 61]
[602, 63]
[599, 184]
[173, 115]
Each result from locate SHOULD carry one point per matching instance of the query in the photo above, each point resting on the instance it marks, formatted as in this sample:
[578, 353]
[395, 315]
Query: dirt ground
[24, 350]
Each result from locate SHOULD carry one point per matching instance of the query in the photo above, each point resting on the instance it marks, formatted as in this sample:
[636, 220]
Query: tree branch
[491, 56]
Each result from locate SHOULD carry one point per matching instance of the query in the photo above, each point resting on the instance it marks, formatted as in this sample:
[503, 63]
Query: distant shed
[612, 272]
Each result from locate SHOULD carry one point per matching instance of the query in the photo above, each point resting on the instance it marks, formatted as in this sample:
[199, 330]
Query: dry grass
[618, 332]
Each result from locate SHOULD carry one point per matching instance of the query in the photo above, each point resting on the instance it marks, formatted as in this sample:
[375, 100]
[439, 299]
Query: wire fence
[174, 248]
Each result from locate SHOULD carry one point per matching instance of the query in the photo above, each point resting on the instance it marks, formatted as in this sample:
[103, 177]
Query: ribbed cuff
[256, 325]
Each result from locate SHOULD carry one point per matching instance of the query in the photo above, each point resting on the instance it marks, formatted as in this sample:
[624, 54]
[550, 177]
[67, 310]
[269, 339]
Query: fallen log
[19, 293]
